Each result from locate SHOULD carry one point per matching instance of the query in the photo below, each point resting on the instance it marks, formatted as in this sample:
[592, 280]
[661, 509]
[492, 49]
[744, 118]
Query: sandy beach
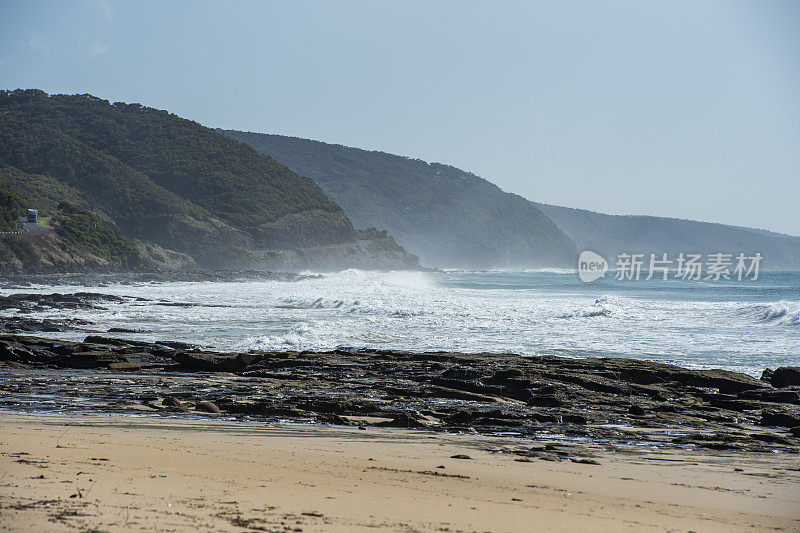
[104, 473]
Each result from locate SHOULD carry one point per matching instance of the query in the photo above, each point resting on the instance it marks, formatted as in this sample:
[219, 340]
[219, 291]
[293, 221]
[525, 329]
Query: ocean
[737, 325]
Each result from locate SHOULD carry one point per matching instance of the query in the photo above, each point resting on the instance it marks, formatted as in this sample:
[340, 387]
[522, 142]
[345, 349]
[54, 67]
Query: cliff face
[450, 218]
[161, 179]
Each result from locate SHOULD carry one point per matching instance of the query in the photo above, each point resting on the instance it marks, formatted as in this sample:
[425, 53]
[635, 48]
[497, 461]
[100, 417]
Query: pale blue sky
[687, 109]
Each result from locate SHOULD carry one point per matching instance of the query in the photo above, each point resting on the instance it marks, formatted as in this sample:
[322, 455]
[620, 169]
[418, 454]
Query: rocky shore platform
[601, 399]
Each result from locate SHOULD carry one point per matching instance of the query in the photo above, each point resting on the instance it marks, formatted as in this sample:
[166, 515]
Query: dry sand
[128, 474]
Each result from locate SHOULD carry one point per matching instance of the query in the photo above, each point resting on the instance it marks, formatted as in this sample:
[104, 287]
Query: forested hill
[611, 235]
[163, 176]
[163, 179]
[448, 217]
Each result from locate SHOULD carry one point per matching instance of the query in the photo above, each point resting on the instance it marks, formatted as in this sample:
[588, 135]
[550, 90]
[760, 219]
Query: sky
[675, 108]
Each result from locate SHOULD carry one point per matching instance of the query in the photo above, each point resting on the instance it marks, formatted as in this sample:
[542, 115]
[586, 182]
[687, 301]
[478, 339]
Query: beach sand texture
[146, 474]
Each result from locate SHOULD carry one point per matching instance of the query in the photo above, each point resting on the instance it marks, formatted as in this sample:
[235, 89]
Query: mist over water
[743, 326]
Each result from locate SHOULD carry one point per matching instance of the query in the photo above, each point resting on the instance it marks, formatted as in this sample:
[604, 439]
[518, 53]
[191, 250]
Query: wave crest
[784, 313]
[601, 307]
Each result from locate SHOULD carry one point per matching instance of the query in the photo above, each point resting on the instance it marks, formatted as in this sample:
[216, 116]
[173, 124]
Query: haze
[685, 109]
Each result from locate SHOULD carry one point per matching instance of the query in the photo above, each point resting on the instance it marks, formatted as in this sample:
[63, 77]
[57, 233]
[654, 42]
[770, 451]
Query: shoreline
[597, 399]
[184, 439]
[119, 474]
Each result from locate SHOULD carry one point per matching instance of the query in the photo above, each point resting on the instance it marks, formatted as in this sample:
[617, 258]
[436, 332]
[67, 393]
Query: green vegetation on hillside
[184, 192]
[147, 165]
[48, 192]
[11, 207]
[157, 178]
[98, 235]
[140, 208]
[77, 230]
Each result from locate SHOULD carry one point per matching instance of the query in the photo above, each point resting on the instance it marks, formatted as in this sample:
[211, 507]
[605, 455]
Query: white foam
[784, 313]
[471, 312]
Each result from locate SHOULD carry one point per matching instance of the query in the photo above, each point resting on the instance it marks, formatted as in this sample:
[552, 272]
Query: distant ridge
[446, 216]
[452, 218]
[611, 235]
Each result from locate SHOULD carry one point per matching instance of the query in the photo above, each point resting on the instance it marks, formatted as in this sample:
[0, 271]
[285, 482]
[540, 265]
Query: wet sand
[106, 473]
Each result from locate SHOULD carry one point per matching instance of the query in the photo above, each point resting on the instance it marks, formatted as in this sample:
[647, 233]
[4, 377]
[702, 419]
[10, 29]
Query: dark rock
[244, 408]
[111, 341]
[207, 407]
[171, 401]
[550, 457]
[573, 418]
[783, 395]
[517, 389]
[786, 376]
[336, 420]
[456, 394]
[461, 456]
[648, 373]
[636, 410]
[20, 324]
[261, 408]
[325, 406]
[37, 302]
[779, 418]
[469, 386]
[655, 392]
[735, 404]
[770, 438]
[523, 396]
[766, 375]
[545, 400]
[507, 374]
[584, 461]
[201, 362]
[462, 416]
[92, 359]
[462, 374]
[124, 367]
[497, 422]
[175, 345]
[402, 420]
[593, 383]
[724, 380]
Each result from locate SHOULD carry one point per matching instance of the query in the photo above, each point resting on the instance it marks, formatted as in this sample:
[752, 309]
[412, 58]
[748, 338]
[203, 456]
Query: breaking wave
[319, 303]
[587, 313]
[601, 307]
[784, 313]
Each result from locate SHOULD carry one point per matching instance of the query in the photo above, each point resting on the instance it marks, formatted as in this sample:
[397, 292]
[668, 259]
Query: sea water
[738, 325]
